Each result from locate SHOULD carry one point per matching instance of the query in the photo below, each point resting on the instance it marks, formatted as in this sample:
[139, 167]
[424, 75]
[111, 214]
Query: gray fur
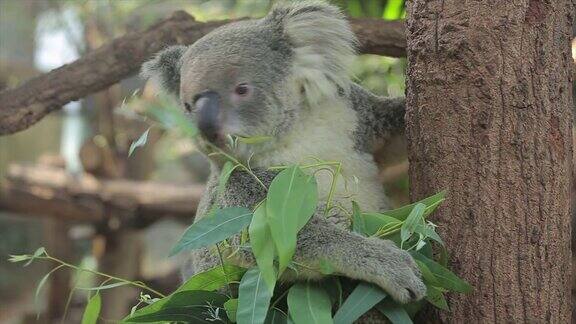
[296, 60]
[379, 118]
[164, 69]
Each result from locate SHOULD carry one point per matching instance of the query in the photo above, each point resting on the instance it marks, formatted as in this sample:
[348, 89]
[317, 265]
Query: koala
[285, 77]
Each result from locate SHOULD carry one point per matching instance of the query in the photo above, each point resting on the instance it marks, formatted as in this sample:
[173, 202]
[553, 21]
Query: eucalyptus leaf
[253, 298]
[413, 308]
[174, 118]
[445, 278]
[427, 275]
[211, 230]
[41, 251]
[214, 278]
[375, 221]
[254, 139]
[414, 218]
[260, 239]
[394, 312]
[358, 222]
[19, 257]
[189, 306]
[275, 317]
[309, 304]
[428, 231]
[393, 10]
[333, 287]
[44, 280]
[92, 310]
[104, 287]
[231, 307]
[141, 141]
[362, 299]
[431, 203]
[225, 174]
[291, 201]
[442, 257]
[435, 296]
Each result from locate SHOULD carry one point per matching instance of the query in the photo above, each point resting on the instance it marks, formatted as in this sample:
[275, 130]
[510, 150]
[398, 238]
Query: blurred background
[68, 183]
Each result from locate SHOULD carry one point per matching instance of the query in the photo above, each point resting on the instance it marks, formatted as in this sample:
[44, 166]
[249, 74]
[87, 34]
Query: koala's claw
[399, 275]
[406, 290]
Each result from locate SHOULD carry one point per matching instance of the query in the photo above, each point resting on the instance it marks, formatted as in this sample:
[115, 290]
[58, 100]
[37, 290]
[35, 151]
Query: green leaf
[431, 203]
[27, 257]
[141, 141]
[254, 139]
[358, 222]
[92, 310]
[186, 306]
[309, 304]
[355, 8]
[443, 257]
[376, 221]
[334, 289]
[41, 251]
[428, 231]
[275, 317]
[414, 218]
[253, 298]
[393, 10]
[374, 8]
[445, 277]
[174, 118]
[231, 307]
[104, 287]
[225, 174]
[413, 308]
[260, 238]
[361, 300]
[211, 230]
[435, 296]
[19, 258]
[428, 276]
[213, 279]
[394, 312]
[291, 201]
[44, 280]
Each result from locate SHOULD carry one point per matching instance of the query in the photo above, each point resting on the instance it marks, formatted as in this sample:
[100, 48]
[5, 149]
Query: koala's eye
[242, 89]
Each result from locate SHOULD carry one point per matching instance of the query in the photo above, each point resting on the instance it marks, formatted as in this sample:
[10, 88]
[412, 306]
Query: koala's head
[257, 77]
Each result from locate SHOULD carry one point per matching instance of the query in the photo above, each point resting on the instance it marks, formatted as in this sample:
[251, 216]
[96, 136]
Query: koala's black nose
[208, 114]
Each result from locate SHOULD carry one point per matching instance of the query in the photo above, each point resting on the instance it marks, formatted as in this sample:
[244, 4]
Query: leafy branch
[42, 254]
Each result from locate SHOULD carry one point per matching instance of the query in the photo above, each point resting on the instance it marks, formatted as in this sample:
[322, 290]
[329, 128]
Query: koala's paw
[398, 274]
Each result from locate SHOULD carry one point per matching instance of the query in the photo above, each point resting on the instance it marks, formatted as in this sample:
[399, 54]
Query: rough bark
[489, 119]
[53, 192]
[25, 105]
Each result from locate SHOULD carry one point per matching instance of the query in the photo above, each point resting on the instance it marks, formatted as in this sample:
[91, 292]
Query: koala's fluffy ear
[323, 43]
[164, 69]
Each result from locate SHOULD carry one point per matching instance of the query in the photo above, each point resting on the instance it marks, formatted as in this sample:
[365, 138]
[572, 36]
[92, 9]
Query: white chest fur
[327, 133]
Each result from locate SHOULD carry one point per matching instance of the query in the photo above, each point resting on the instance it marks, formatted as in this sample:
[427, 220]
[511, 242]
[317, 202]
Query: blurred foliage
[380, 74]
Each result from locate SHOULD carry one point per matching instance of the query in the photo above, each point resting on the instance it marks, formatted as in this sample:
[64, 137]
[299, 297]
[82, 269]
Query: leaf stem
[98, 273]
[238, 163]
[224, 271]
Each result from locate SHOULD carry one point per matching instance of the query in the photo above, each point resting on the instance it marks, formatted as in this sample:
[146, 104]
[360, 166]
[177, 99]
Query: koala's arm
[369, 259]
[354, 256]
[379, 118]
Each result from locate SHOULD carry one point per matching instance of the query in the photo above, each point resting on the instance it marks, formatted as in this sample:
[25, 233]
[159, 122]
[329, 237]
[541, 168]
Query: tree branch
[51, 191]
[25, 105]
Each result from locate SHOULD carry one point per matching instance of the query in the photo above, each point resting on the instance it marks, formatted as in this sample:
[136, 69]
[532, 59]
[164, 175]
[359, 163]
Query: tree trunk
[490, 119]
